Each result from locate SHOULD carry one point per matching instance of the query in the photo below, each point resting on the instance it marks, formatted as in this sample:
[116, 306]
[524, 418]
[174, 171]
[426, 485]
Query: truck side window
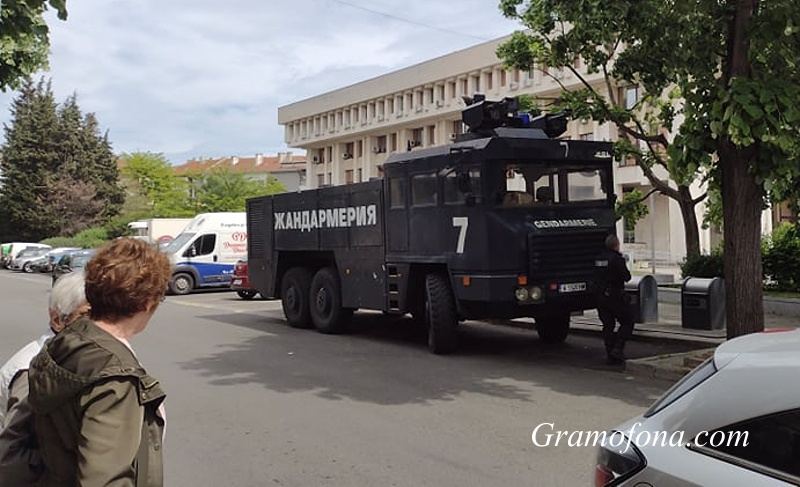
[423, 189]
[203, 245]
[397, 190]
[453, 195]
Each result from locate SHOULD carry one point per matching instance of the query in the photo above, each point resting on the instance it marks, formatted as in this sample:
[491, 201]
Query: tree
[223, 190]
[24, 39]
[153, 189]
[594, 35]
[48, 146]
[734, 65]
[632, 209]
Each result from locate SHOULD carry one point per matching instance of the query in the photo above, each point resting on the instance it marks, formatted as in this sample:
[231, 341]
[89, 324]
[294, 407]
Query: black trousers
[610, 314]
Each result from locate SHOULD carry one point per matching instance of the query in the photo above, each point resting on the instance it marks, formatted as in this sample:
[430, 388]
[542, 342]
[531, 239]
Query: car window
[768, 444]
[686, 384]
[203, 245]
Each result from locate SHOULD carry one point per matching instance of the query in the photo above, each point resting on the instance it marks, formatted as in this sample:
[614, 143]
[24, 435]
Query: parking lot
[253, 402]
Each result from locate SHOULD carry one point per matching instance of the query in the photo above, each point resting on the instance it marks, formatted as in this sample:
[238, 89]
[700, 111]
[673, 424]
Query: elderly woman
[19, 457]
[99, 419]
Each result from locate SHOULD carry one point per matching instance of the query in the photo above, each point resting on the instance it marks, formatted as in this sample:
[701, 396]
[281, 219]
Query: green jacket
[96, 412]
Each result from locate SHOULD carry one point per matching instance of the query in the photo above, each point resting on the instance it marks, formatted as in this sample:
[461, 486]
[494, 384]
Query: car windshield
[80, 260]
[534, 184]
[179, 242]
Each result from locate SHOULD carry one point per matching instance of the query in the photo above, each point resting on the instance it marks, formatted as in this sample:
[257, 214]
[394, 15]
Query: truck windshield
[533, 184]
[179, 242]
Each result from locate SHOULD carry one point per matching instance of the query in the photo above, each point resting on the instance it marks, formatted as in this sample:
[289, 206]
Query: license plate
[572, 287]
[237, 282]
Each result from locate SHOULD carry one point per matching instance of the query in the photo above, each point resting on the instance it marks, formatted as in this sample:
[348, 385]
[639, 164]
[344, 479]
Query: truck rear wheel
[326, 302]
[181, 284]
[441, 315]
[294, 297]
[553, 329]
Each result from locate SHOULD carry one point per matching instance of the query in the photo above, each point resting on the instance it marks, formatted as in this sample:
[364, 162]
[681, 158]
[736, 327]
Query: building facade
[348, 133]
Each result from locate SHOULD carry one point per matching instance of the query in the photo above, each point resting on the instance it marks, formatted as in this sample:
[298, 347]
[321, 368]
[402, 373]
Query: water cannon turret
[553, 124]
[482, 116]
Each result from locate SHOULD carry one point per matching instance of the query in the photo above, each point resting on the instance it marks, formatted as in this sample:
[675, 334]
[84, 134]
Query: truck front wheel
[326, 302]
[181, 284]
[294, 297]
[440, 314]
[553, 329]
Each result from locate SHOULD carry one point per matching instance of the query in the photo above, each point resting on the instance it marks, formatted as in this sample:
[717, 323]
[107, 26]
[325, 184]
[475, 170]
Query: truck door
[203, 254]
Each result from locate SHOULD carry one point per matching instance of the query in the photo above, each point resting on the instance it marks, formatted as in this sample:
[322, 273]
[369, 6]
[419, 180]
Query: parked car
[15, 248]
[241, 282]
[52, 257]
[71, 261]
[22, 261]
[737, 417]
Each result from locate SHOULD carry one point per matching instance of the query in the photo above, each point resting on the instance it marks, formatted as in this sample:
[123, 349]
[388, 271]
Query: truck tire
[246, 294]
[553, 329]
[326, 302]
[441, 315]
[295, 288]
[181, 284]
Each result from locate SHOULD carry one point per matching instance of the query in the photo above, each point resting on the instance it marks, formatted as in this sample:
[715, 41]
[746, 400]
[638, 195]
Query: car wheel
[246, 294]
[553, 329]
[27, 267]
[440, 314]
[295, 288]
[181, 284]
[326, 302]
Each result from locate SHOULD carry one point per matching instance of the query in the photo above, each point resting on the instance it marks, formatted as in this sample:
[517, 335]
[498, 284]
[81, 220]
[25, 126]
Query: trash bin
[643, 291]
[703, 303]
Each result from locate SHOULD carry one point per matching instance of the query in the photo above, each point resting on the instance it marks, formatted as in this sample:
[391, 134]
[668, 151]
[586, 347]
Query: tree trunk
[691, 231]
[742, 198]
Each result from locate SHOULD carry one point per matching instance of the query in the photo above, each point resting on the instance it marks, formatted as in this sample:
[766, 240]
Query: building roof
[283, 162]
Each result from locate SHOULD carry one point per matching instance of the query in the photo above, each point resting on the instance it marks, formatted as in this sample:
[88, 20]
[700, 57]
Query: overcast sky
[203, 78]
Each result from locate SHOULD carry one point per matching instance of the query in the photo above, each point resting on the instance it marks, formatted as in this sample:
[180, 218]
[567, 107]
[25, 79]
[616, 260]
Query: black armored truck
[503, 223]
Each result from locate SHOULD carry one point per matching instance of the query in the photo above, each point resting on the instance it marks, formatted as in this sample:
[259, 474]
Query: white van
[204, 253]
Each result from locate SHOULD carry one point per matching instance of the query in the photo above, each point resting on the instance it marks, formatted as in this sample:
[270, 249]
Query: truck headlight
[536, 293]
[521, 294]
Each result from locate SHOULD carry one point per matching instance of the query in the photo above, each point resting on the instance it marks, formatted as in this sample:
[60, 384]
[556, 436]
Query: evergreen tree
[29, 155]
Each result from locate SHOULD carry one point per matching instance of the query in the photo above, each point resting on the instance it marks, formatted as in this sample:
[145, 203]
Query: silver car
[734, 420]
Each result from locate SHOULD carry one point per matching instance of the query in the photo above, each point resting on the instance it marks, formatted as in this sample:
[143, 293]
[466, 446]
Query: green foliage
[153, 189]
[529, 104]
[781, 258]
[24, 39]
[704, 265]
[89, 238]
[60, 173]
[631, 209]
[223, 190]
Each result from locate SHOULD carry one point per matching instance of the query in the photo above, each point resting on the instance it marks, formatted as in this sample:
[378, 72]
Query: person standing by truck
[613, 304]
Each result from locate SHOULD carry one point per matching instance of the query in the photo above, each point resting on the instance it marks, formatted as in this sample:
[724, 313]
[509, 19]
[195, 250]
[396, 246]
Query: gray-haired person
[613, 304]
[19, 458]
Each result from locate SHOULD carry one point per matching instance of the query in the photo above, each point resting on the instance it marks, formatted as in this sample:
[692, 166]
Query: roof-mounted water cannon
[482, 117]
[552, 124]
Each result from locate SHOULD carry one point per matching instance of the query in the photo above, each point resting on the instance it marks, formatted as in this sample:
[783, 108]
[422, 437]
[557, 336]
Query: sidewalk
[673, 367]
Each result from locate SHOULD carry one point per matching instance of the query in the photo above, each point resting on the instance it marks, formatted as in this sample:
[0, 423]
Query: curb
[670, 367]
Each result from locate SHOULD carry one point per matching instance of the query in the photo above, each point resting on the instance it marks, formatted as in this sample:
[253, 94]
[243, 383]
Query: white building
[348, 133]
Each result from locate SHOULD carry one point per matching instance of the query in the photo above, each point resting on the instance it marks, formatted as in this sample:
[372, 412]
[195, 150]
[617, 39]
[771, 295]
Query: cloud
[205, 78]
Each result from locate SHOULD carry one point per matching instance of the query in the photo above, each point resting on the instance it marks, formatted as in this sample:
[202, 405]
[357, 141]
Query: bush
[703, 265]
[781, 258]
[89, 239]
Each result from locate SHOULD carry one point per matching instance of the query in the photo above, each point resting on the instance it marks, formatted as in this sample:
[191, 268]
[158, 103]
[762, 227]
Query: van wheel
[181, 284]
[246, 294]
[326, 302]
[295, 288]
[553, 329]
[441, 315]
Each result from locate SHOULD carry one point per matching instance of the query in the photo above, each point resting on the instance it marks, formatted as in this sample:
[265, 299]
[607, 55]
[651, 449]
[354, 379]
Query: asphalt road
[252, 402]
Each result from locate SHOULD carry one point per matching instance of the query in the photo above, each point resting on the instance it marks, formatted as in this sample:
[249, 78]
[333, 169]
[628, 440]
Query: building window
[360, 148]
[587, 136]
[360, 175]
[431, 138]
[458, 127]
[393, 142]
[630, 96]
[464, 86]
[381, 147]
[423, 189]
[330, 178]
[348, 176]
[320, 180]
[452, 89]
[488, 78]
[503, 76]
[390, 105]
[441, 92]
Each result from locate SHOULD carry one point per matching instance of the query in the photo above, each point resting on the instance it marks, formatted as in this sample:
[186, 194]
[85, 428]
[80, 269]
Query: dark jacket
[96, 412]
[611, 274]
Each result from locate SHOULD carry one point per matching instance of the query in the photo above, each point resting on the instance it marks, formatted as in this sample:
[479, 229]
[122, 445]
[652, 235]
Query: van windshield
[179, 242]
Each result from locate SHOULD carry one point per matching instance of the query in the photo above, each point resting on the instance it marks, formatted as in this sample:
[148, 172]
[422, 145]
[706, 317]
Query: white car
[734, 420]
